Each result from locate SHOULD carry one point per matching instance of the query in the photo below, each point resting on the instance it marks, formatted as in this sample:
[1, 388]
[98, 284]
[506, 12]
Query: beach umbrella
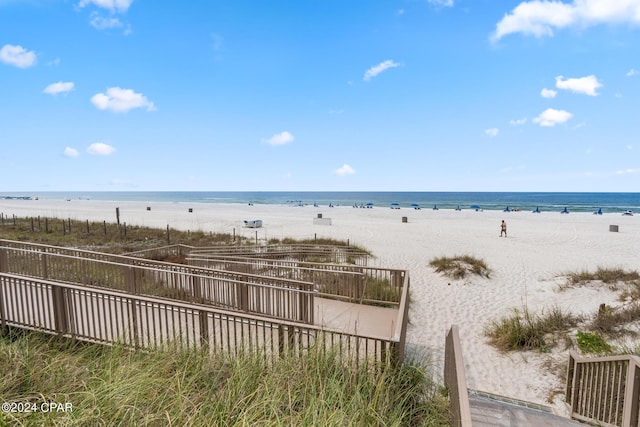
[395, 205]
[414, 205]
[369, 204]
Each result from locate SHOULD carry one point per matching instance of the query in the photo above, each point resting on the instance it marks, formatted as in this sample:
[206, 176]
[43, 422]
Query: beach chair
[565, 211]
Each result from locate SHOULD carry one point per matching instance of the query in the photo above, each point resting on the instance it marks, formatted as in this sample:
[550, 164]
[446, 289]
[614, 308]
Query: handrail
[455, 381]
[277, 297]
[363, 284]
[605, 390]
[109, 317]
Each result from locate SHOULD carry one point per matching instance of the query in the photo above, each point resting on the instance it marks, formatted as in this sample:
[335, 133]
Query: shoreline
[526, 266]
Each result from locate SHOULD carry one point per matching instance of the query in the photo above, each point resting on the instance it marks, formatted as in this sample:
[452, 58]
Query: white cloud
[60, 87]
[71, 152]
[551, 117]
[281, 138]
[518, 122]
[629, 147]
[100, 149]
[101, 23]
[377, 69]
[17, 56]
[443, 3]
[548, 93]
[540, 18]
[492, 132]
[121, 100]
[632, 72]
[587, 85]
[120, 6]
[345, 170]
[628, 171]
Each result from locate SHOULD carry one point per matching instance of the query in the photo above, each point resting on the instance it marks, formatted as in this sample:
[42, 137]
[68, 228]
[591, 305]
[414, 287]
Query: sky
[332, 95]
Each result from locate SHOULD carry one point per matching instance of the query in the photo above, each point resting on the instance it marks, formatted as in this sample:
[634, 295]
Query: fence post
[60, 310]
[45, 270]
[130, 283]
[4, 261]
[242, 290]
[281, 340]
[631, 395]
[573, 383]
[3, 320]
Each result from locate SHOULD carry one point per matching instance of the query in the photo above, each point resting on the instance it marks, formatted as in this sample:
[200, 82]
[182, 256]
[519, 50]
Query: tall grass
[115, 386]
[458, 267]
[523, 330]
[609, 276]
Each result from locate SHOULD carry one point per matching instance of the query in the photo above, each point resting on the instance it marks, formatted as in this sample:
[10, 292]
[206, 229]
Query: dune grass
[523, 330]
[605, 275]
[115, 386]
[459, 267]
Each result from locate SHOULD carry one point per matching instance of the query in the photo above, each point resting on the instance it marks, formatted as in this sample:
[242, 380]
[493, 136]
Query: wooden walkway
[488, 410]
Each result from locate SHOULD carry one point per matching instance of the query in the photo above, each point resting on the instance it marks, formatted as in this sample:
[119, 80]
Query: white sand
[525, 266]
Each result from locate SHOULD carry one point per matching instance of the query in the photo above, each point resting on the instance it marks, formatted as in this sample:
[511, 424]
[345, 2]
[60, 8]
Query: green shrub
[590, 342]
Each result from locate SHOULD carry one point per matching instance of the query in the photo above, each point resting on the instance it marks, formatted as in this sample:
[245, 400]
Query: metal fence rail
[264, 295]
[605, 390]
[109, 317]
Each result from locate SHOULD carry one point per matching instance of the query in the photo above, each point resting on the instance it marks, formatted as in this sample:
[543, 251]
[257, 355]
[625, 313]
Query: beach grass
[608, 276]
[459, 267]
[112, 385]
[523, 330]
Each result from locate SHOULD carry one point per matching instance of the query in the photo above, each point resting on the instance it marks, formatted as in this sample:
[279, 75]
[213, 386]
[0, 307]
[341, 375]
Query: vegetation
[116, 386]
[458, 267]
[605, 275]
[610, 320]
[112, 385]
[526, 331]
[104, 236]
[589, 342]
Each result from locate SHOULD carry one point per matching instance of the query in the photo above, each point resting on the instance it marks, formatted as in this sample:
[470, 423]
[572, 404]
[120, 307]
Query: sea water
[526, 201]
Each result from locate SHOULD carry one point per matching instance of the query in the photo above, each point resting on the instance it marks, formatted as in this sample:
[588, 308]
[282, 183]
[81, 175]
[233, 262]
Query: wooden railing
[109, 317]
[604, 390]
[81, 272]
[357, 284]
[267, 296]
[301, 252]
[455, 380]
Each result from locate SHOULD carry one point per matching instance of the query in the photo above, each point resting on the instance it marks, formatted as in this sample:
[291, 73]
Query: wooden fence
[455, 380]
[604, 390]
[109, 317]
[268, 296]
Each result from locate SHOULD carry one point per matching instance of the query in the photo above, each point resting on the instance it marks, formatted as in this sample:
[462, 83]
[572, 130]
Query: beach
[526, 267]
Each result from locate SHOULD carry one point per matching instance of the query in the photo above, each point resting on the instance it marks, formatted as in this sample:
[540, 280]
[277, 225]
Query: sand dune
[525, 266]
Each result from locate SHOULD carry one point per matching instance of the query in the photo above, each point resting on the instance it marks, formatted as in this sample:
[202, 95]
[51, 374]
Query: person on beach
[503, 229]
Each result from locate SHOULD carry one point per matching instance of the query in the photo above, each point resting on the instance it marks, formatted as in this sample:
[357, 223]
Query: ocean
[526, 201]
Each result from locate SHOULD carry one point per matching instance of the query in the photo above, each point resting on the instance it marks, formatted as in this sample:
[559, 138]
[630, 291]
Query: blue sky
[332, 95]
